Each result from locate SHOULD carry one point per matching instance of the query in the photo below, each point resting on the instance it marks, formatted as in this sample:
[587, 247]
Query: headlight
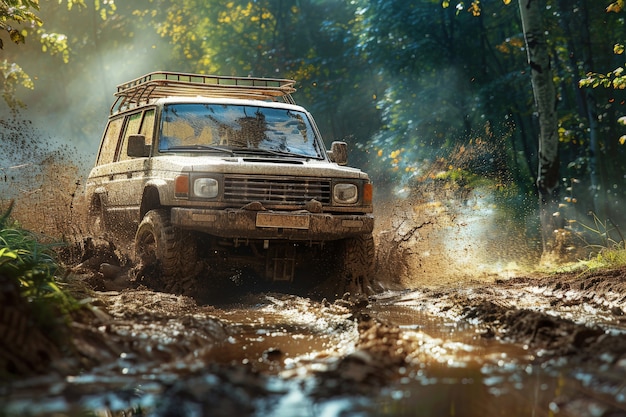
[206, 187]
[345, 193]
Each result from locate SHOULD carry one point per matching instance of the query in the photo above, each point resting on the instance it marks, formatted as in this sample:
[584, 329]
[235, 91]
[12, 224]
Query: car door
[129, 175]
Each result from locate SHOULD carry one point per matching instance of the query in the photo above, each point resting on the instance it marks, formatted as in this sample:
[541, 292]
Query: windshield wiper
[269, 152]
[201, 148]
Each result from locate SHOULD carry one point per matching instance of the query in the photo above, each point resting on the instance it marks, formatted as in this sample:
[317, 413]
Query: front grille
[275, 190]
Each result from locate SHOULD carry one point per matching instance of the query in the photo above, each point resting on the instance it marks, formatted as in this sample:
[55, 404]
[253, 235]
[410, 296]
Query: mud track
[540, 345]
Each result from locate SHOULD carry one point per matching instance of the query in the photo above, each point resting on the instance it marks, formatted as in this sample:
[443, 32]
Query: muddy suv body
[226, 174]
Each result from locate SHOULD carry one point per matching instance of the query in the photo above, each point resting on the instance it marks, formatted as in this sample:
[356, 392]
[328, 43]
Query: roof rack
[166, 84]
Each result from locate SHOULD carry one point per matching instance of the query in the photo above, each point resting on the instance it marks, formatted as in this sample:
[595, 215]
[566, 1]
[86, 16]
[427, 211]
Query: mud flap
[280, 263]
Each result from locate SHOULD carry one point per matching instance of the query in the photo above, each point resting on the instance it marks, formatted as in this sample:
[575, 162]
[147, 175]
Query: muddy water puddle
[456, 371]
[280, 334]
[290, 356]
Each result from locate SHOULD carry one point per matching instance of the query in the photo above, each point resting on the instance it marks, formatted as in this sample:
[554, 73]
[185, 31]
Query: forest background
[429, 94]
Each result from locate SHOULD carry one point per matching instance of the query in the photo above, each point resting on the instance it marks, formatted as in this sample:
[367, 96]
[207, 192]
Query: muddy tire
[353, 268]
[166, 251]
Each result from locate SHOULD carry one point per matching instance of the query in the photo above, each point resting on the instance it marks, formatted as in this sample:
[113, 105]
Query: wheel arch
[150, 200]
[97, 201]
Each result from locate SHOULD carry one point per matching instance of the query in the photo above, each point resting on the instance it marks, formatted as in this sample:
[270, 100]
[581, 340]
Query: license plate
[287, 221]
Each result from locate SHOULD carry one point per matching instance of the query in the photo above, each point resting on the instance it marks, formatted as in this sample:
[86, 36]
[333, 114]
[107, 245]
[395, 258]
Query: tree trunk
[545, 101]
[597, 184]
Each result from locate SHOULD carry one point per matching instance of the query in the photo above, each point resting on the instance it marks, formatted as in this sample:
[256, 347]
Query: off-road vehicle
[215, 174]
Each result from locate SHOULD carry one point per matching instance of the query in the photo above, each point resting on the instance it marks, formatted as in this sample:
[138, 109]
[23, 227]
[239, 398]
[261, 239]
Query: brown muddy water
[284, 355]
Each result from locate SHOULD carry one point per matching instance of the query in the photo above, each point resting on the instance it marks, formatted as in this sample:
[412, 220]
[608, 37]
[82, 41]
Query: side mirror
[137, 147]
[338, 153]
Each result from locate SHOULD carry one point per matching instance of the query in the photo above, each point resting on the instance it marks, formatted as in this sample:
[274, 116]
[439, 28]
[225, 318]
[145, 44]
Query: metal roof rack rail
[166, 84]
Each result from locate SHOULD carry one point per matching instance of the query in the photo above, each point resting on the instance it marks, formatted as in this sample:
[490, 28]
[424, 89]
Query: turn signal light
[368, 193]
[181, 186]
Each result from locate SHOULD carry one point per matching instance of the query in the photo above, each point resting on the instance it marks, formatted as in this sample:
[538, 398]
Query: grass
[34, 267]
[606, 244]
[607, 258]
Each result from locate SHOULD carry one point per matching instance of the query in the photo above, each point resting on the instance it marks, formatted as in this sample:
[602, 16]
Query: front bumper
[270, 224]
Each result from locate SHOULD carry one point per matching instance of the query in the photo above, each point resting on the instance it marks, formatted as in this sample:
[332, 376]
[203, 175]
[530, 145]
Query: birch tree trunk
[545, 101]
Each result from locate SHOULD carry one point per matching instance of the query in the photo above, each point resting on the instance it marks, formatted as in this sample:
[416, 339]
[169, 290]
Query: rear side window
[109, 141]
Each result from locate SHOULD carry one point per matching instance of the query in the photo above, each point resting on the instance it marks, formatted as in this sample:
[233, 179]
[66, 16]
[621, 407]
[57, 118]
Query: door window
[132, 128]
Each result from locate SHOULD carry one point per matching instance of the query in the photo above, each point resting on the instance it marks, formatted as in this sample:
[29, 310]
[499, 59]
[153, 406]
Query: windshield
[238, 128]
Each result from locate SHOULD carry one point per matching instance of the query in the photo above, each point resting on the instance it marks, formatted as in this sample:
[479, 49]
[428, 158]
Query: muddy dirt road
[525, 346]
[455, 329]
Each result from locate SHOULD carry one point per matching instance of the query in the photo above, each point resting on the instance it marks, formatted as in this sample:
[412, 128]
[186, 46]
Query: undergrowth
[605, 242]
[33, 266]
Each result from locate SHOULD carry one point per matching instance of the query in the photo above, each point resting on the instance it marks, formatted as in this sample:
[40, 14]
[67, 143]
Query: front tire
[167, 251]
[349, 268]
[358, 264]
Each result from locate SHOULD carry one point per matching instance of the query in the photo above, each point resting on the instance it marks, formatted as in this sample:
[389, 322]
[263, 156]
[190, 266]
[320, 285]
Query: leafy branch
[17, 12]
[615, 79]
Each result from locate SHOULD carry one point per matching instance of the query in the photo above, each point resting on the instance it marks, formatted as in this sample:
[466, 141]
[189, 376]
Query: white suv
[222, 174]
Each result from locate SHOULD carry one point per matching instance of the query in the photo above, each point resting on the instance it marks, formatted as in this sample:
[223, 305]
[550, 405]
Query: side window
[109, 141]
[147, 126]
[132, 127]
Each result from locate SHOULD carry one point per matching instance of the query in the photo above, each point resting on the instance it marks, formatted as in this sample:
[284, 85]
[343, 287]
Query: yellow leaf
[614, 7]
[506, 1]
[445, 4]
[618, 49]
[622, 140]
[474, 8]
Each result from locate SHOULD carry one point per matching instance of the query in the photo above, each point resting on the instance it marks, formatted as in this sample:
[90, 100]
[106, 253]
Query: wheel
[356, 267]
[169, 252]
[349, 268]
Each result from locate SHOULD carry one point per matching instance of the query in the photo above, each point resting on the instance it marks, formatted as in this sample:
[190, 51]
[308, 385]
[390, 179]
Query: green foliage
[615, 79]
[12, 77]
[14, 13]
[17, 12]
[33, 265]
[19, 18]
[607, 258]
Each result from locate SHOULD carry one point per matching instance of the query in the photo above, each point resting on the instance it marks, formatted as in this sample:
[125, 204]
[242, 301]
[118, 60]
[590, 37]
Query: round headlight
[345, 193]
[206, 187]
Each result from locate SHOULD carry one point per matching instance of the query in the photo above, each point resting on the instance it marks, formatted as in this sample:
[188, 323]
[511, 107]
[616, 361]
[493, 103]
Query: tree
[310, 41]
[20, 19]
[615, 80]
[545, 101]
